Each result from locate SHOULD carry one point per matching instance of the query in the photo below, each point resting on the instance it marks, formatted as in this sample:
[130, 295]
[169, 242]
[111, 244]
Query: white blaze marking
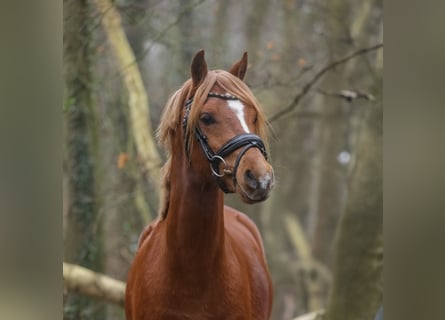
[238, 108]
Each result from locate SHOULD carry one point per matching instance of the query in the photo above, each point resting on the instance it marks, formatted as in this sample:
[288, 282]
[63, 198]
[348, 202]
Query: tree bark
[81, 237]
[331, 182]
[137, 96]
[358, 281]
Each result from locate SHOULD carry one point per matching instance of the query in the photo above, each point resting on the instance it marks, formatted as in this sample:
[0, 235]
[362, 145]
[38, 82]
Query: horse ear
[240, 67]
[198, 68]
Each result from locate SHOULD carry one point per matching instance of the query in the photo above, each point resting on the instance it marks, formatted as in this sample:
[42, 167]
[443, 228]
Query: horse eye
[207, 119]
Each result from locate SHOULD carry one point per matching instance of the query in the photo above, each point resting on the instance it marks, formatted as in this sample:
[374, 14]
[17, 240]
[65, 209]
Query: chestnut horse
[201, 259]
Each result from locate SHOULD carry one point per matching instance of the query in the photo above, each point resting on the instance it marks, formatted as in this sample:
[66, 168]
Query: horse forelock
[228, 84]
[170, 126]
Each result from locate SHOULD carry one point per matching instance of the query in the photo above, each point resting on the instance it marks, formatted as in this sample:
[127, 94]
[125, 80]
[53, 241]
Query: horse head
[225, 118]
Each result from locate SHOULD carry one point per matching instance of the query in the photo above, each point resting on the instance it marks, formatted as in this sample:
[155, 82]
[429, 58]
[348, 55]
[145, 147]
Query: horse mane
[171, 119]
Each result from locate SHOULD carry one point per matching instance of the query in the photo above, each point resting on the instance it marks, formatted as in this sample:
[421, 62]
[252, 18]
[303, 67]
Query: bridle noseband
[246, 140]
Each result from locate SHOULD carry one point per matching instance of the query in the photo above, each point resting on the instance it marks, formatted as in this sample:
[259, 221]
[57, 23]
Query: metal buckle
[225, 169]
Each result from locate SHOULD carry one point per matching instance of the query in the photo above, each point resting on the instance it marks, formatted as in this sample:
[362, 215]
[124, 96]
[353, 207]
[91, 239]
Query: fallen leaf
[301, 62]
[122, 160]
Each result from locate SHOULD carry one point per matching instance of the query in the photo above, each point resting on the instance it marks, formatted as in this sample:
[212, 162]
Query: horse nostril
[251, 181]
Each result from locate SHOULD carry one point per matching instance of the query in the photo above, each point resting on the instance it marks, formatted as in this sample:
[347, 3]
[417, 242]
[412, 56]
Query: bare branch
[308, 263]
[317, 315]
[162, 33]
[92, 284]
[317, 77]
[348, 95]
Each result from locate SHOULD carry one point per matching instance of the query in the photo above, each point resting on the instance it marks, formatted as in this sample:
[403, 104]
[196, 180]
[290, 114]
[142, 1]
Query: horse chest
[181, 299]
[234, 287]
[218, 293]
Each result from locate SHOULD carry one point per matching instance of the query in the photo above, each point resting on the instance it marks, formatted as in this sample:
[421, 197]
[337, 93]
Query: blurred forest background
[316, 68]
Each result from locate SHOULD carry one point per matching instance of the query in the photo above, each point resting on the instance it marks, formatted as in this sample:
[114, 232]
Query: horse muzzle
[255, 183]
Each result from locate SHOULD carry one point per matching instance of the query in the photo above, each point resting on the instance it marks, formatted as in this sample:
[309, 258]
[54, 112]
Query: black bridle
[246, 140]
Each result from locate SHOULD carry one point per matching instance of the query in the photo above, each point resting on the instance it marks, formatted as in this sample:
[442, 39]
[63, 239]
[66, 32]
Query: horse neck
[195, 219]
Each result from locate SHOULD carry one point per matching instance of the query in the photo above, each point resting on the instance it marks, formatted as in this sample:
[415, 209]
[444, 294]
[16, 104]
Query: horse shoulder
[139, 286]
[147, 232]
[261, 283]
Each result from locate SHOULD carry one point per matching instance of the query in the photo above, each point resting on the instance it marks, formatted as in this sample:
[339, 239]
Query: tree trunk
[137, 97]
[82, 245]
[331, 181]
[358, 282]
[128, 200]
